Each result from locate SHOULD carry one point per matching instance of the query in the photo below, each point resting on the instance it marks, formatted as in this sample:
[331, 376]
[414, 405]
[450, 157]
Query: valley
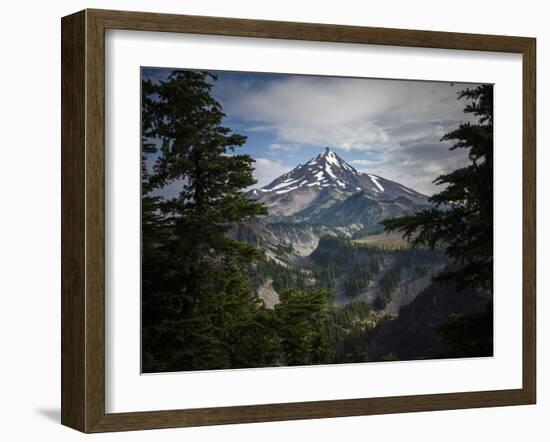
[322, 232]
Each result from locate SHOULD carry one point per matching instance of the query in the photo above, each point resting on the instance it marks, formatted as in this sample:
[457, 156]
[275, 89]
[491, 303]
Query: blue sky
[390, 128]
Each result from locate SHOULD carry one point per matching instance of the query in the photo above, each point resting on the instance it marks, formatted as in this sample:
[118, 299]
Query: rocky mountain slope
[328, 191]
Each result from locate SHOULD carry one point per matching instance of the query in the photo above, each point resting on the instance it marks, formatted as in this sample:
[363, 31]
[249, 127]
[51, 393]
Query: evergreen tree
[462, 220]
[462, 223]
[300, 320]
[198, 309]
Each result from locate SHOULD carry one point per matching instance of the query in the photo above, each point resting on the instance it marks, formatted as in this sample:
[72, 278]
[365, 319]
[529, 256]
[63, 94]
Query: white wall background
[30, 217]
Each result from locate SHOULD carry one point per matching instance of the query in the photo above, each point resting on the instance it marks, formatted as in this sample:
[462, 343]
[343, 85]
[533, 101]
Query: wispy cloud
[266, 170]
[348, 113]
[416, 166]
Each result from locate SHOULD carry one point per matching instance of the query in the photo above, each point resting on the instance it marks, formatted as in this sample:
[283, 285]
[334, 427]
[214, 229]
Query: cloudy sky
[390, 128]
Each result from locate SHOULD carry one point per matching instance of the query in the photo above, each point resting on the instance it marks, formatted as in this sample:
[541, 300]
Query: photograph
[302, 220]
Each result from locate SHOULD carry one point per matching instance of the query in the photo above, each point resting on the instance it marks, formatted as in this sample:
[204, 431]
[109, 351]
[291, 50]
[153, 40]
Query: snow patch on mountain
[375, 179]
[285, 183]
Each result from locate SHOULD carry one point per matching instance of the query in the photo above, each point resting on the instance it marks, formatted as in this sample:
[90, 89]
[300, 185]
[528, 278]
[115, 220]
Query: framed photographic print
[268, 220]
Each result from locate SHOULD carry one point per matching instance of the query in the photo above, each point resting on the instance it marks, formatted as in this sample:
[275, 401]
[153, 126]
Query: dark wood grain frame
[83, 220]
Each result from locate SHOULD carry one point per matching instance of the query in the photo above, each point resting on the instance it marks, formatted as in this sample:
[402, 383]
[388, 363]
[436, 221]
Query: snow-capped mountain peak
[327, 160]
[325, 180]
[326, 170]
[327, 191]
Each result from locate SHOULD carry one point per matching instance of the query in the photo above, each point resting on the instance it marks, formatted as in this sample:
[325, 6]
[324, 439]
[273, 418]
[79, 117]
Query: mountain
[330, 192]
[321, 217]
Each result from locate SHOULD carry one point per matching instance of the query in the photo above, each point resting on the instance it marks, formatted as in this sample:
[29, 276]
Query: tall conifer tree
[198, 310]
[462, 223]
[462, 220]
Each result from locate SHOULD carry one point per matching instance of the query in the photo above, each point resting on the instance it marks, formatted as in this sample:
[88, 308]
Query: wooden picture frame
[83, 219]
